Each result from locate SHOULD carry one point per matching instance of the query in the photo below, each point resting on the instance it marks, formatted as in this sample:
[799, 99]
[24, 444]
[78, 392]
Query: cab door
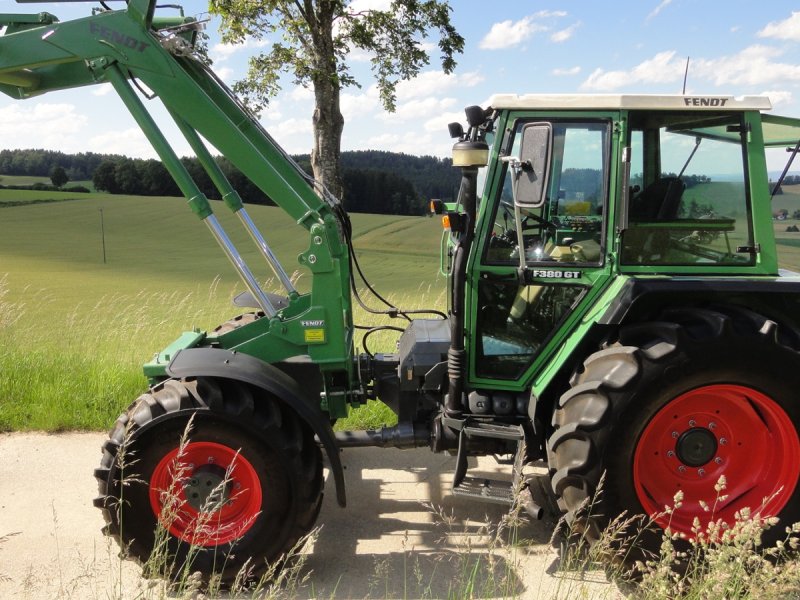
[538, 265]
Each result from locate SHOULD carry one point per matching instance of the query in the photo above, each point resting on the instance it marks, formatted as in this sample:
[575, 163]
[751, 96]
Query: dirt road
[388, 542]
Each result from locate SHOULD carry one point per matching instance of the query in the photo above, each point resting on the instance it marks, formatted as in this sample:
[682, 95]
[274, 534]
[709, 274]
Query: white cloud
[662, 68]
[355, 106]
[363, 5]
[778, 97]
[511, 33]
[225, 73]
[788, 29]
[566, 72]
[104, 89]
[418, 109]
[41, 125]
[565, 34]
[436, 82]
[223, 51]
[293, 134]
[130, 142]
[658, 9]
[301, 93]
[753, 66]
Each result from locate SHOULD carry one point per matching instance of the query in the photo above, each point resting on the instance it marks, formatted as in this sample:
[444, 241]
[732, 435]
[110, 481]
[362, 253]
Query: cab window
[688, 200]
[567, 228]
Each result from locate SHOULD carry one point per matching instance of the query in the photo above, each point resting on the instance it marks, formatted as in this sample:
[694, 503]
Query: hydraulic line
[196, 199]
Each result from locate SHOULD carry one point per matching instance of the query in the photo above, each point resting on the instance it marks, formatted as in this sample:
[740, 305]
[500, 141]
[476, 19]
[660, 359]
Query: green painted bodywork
[38, 54]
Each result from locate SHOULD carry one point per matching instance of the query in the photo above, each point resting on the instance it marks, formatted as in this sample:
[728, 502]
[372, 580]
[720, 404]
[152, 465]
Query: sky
[734, 47]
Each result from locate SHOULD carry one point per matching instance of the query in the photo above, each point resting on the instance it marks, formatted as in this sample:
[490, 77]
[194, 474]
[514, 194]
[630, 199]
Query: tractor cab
[576, 201]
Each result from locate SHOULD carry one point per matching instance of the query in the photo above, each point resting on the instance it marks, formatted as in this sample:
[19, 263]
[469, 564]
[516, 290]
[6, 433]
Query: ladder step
[494, 430]
[486, 490]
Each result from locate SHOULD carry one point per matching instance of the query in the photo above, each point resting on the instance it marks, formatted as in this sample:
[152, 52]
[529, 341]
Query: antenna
[685, 75]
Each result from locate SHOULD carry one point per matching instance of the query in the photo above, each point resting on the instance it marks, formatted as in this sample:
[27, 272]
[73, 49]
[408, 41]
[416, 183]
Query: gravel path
[387, 543]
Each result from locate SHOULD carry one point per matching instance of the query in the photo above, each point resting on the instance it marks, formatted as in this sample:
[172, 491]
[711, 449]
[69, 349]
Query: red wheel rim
[708, 432]
[205, 494]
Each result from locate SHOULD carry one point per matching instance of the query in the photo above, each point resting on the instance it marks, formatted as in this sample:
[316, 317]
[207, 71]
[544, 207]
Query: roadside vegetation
[75, 327]
[75, 330]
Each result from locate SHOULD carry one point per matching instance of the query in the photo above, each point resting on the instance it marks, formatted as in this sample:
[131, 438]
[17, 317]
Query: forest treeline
[374, 181]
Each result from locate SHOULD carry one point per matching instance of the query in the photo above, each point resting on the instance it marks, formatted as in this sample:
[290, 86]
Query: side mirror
[533, 170]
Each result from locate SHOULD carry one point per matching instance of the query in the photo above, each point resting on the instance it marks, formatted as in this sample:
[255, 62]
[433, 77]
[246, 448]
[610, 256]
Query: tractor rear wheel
[673, 406]
[204, 475]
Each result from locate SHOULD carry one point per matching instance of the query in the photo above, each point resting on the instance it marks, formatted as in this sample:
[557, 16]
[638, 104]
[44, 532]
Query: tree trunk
[328, 126]
[327, 120]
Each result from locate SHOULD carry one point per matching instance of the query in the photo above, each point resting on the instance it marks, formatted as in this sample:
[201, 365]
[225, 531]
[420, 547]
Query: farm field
[74, 330]
[30, 180]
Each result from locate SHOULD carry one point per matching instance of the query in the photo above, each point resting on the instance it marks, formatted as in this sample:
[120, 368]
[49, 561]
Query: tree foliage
[315, 38]
[374, 181]
[58, 176]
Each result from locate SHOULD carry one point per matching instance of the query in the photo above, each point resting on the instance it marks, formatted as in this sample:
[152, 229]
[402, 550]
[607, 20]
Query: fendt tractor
[615, 312]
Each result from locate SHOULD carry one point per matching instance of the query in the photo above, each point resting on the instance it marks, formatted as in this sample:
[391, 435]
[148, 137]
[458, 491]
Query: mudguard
[225, 364]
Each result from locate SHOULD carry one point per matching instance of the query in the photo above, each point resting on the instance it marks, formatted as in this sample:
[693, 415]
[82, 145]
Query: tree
[58, 176]
[316, 37]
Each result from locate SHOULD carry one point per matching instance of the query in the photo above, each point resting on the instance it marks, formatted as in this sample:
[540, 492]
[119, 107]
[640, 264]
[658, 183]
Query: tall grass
[82, 367]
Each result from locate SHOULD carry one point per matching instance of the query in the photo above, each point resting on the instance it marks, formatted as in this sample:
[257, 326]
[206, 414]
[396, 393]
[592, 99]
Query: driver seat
[659, 201]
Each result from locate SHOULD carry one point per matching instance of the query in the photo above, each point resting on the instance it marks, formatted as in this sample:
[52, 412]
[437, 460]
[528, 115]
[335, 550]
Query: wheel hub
[207, 488]
[696, 447]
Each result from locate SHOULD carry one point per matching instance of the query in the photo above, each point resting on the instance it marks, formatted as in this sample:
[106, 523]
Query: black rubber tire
[599, 420]
[280, 447]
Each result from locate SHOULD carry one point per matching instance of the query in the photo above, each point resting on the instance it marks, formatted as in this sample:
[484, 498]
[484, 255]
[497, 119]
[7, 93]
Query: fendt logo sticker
[705, 101]
[318, 323]
[115, 37]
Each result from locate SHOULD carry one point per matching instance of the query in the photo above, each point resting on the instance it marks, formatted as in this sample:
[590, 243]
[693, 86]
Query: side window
[688, 200]
[567, 228]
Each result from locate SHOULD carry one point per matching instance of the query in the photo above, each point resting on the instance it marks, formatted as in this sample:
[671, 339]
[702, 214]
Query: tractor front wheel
[677, 406]
[206, 475]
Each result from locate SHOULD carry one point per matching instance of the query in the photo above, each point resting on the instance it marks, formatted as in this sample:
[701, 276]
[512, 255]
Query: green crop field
[31, 179]
[74, 330]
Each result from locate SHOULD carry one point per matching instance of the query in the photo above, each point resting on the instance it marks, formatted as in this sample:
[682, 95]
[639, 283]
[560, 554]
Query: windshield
[568, 226]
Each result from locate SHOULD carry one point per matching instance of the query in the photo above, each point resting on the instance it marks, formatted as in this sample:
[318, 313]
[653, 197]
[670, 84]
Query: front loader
[615, 313]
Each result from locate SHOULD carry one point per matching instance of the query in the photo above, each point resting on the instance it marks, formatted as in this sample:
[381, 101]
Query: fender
[226, 364]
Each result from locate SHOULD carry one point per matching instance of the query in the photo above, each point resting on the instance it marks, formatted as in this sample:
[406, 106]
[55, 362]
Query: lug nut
[712, 425]
[692, 423]
[670, 454]
[681, 469]
[723, 441]
[718, 460]
[701, 472]
[675, 434]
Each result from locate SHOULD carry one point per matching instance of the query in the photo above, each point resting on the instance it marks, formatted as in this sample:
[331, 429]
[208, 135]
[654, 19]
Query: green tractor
[615, 312]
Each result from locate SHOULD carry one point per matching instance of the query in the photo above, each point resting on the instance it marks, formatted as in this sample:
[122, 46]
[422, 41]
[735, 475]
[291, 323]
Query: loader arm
[132, 48]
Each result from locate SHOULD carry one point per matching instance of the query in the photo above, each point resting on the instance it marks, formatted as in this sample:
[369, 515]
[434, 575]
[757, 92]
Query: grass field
[75, 330]
[30, 180]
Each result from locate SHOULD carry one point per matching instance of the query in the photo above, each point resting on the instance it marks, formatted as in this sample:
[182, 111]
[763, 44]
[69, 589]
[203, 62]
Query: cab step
[494, 491]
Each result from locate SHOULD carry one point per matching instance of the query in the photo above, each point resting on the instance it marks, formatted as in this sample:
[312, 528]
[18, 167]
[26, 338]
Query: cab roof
[628, 102]
[778, 131]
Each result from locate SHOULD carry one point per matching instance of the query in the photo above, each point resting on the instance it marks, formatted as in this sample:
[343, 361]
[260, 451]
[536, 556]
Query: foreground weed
[718, 560]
